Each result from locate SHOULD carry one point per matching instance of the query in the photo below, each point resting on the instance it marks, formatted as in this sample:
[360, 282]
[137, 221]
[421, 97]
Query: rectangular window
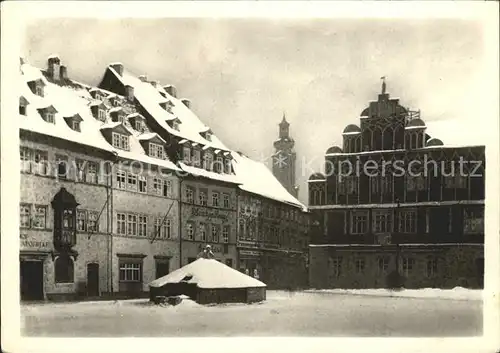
[203, 198]
[348, 185]
[25, 216]
[219, 164]
[130, 272]
[360, 265]
[408, 264]
[383, 264]
[156, 150]
[138, 125]
[40, 217]
[62, 166]
[186, 154]
[203, 231]
[167, 188]
[49, 117]
[91, 172]
[132, 182]
[196, 157]
[39, 90]
[474, 221]
[189, 195]
[121, 223]
[359, 222]
[225, 234]
[101, 114]
[143, 184]
[121, 177]
[336, 266]
[120, 141]
[26, 155]
[81, 220]
[215, 199]
[92, 219]
[41, 162]
[382, 221]
[165, 231]
[131, 224]
[157, 186]
[208, 162]
[190, 231]
[142, 226]
[431, 267]
[227, 166]
[408, 221]
[215, 233]
[225, 201]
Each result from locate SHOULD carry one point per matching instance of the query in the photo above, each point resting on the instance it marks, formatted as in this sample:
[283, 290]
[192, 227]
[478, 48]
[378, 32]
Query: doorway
[93, 280]
[31, 281]
[480, 272]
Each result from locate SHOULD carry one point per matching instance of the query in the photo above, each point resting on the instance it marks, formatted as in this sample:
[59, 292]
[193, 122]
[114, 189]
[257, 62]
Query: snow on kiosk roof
[209, 274]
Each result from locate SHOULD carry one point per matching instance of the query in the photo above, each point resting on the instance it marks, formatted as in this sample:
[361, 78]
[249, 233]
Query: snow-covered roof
[150, 98]
[148, 136]
[211, 274]
[69, 101]
[228, 178]
[258, 179]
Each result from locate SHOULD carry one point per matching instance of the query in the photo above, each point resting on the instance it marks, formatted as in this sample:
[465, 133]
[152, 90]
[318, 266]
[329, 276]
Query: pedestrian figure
[255, 274]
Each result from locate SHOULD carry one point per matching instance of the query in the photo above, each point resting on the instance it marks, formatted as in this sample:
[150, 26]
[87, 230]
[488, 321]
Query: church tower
[284, 159]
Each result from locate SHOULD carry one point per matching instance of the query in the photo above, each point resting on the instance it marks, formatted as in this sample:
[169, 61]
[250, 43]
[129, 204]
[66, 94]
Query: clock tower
[284, 158]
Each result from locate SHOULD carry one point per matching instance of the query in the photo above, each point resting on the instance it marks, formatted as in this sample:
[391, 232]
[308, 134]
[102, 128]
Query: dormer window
[101, 114]
[139, 125]
[156, 150]
[176, 124]
[97, 96]
[36, 87]
[207, 135]
[120, 141]
[219, 164]
[227, 166]
[117, 115]
[196, 157]
[23, 103]
[74, 122]
[167, 106]
[186, 154]
[208, 161]
[48, 114]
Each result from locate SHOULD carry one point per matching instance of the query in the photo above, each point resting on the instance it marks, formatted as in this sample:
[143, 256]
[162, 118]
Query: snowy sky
[242, 74]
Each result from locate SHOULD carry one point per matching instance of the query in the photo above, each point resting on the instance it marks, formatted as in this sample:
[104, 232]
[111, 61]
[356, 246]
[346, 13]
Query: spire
[283, 121]
[383, 84]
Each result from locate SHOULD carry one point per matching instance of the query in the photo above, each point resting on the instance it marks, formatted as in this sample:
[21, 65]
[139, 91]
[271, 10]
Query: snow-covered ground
[282, 314]
[457, 293]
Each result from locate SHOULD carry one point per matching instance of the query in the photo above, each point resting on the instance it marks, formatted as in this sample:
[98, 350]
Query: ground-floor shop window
[130, 273]
[360, 265]
[408, 264]
[383, 264]
[64, 269]
[336, 265]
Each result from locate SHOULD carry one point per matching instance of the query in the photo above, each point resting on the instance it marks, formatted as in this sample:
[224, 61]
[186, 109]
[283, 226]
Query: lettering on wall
[26, 242]
[209, 213]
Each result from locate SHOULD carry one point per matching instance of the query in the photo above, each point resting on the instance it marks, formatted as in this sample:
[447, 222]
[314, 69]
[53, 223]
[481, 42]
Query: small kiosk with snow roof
[208, 281]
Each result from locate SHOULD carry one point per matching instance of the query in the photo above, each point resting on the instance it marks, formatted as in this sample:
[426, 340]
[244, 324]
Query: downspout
[110, 223]
[180, 222]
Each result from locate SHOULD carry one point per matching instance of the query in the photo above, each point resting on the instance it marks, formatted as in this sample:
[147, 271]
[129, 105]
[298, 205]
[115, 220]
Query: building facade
[397, 205]
[99, 203]
[284, 159]
[122, 184]
[273, 230]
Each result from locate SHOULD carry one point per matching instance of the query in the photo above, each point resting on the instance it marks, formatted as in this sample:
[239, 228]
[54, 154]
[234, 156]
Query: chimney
[63, 72]
[171, 90]
[118, 67]
[53, 67]
[129, 92]
[143, 78]
[186, 102]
